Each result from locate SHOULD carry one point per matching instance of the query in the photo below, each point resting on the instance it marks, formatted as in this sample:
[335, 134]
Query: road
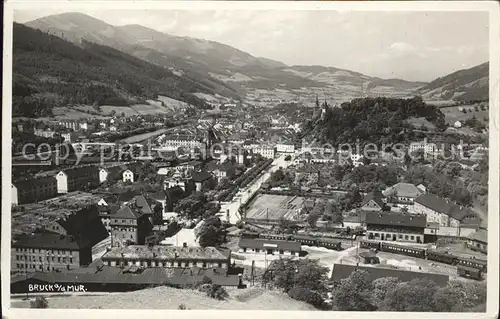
[251, 189]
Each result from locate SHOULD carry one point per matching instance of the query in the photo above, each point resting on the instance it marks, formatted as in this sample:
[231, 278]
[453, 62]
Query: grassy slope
[171, 298]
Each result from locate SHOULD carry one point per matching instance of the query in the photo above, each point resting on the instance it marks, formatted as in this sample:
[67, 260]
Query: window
[58, 259]
[412, 237]
[17, 257]
[400, 236]
[406, 237]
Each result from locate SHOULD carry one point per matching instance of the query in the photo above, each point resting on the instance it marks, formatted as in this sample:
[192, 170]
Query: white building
[357, 159]
[265, 151]
[62, 182]
[103, 175]
[285, 148]
[428, 148]
[269, 246]
[13, 192]
[128, 175]
[48, 133]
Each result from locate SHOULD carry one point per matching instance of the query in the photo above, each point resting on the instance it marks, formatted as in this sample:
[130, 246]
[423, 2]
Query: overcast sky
[411, 46]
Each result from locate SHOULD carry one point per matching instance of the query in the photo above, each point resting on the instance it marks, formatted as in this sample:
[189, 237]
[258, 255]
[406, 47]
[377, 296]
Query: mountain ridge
[214, 61]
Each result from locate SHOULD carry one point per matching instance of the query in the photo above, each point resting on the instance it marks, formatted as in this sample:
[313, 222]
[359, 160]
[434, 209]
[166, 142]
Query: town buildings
[49, 252]
[478, 241]
[47, 133]
[373, 201]
[225, 170]
[128, 176]
[453, 220]
[168, 256]
[33, 190]
[392, 226]
[77, 178]
[403, 193]
[269, 246]
[129, 226]
[266, 151]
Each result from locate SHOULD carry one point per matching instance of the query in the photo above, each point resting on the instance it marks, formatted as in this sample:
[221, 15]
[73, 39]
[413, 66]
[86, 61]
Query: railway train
[330, 243]
[466, 266]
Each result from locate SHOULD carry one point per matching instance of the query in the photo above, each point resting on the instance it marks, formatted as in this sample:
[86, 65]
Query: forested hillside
[463, 85]
[378, 120]
[49, 71]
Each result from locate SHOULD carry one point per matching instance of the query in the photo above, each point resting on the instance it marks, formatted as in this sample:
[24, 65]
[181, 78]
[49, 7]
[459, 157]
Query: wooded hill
[49, 71]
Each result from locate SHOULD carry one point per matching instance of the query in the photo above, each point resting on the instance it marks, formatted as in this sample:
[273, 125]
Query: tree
[381, 286]
[316, 212]
[306, 295]
[217, 292]
[212, 233]
[39, 302]
[305, 273]
[353, 293]
[416, 296]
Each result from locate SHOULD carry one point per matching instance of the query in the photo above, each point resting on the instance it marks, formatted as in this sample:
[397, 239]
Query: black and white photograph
[216, 155]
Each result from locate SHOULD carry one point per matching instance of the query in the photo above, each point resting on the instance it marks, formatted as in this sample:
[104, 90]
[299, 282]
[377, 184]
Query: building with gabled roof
[129, 226]
[168, 256]
[35, 189]
[404, 193]
[478, 241]
[453, 220]
[49, 251]
[269, 246]
[393, 226]
[373, 201]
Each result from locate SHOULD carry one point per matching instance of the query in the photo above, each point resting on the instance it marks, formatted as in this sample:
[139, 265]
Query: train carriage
[469, 272]
[330, 243]
[442, 257]
[306, 240]
[370, 244]
[403, 250]
[473, 263]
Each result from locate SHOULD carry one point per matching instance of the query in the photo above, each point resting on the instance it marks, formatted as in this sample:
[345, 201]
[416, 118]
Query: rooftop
[50, 241]
[23, 183]
[444, 206]
[35, 216]
[480, 235]
[375, 196]
[200, 176]
[403, 190]
[396, 219]
[261, 243]
[166, 253]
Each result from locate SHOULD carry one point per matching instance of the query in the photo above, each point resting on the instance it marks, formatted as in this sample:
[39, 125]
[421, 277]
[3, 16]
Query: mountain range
[227, 71]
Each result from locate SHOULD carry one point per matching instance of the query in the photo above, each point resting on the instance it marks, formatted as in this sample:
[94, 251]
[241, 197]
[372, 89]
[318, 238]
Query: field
[171, 298]
[275, 207]
[417, 122]
[454, 113]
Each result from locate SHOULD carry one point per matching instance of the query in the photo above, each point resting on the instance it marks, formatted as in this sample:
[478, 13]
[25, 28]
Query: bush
[216, 292]
[39, 302]
[306, 295]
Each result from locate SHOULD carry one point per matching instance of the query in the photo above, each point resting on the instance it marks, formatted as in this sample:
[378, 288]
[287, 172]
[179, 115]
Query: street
[250, 190]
